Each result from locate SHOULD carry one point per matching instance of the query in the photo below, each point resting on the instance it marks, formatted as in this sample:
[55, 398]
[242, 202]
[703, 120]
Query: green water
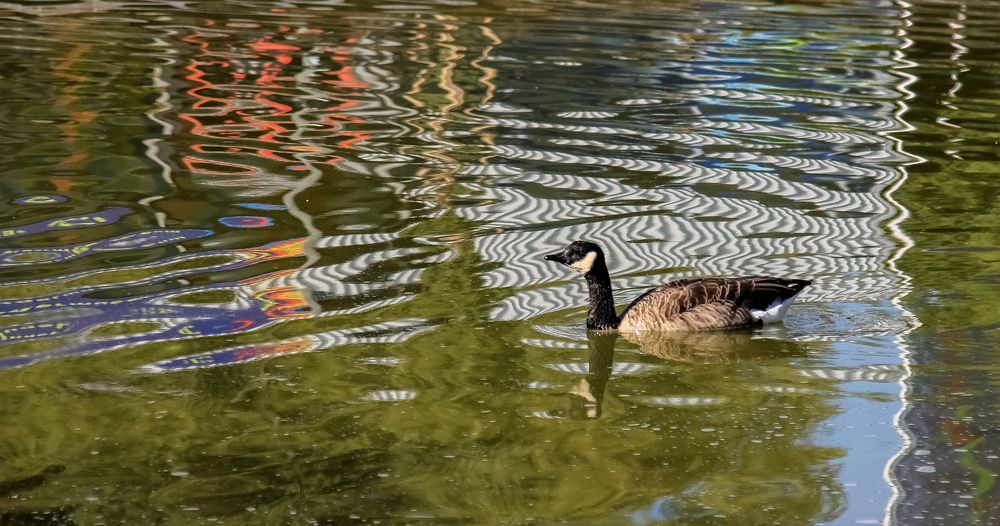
[281, 263]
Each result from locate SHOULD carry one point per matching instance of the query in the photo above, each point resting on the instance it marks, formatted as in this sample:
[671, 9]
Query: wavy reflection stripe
[587, 114]
[762, 182]
[528, 304]
[239, 258]
[331, 280]
[80, 276]
[87, 348]
[561, 332]
[793, 131]
[248, 292]
[700, 139]
[492, 169]
[608, 188]
[257, 186]
[502, 201]
[858, 374]
[686, 138]
[684, 232]
[691, 139]
[574, 128]
[552, 344]
[143, 239]
[637, 165]
[35, 331]
[104, 217]
[873, 123]
[171, 330]
[390, 395]
[682, 170]
[343, 271]
[521, 251]
[355, 239]
[200, 166]
[811, 166]
[678, 169]
[513, 207]
[562, 141]
[745, 214]
[684, 237]
[403, 330]
[363, 262]
[758, 96]
[683, 401]
[772, 184]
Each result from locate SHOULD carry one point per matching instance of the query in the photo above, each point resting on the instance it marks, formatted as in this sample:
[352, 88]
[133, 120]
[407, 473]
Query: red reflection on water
[242, 94]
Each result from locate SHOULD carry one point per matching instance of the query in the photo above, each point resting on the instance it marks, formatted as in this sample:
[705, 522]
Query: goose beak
[557, 257]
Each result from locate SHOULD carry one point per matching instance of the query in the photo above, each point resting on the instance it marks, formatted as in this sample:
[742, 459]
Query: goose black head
[579, 256]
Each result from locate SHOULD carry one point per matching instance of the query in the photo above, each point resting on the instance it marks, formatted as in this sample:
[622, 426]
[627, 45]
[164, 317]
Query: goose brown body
[682, 305]
[707, 303]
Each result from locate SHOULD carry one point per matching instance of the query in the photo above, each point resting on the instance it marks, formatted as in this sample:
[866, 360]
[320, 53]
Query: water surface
[281, 263]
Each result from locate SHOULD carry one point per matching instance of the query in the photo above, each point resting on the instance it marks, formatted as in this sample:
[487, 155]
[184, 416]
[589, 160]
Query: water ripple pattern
[298, 247]
[373, 156]
[687, 178]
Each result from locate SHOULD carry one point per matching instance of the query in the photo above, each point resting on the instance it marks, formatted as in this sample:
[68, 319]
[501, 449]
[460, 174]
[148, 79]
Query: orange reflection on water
[240, 94]
[279, 302]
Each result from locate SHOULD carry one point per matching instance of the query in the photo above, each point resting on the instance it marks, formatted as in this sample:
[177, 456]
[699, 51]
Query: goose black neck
[602, 302]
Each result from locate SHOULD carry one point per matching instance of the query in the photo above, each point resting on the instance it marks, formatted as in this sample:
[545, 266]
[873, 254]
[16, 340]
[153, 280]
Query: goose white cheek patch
[583, 266]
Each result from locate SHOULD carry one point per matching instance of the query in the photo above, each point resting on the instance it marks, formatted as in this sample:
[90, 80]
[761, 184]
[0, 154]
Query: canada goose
[681, 305]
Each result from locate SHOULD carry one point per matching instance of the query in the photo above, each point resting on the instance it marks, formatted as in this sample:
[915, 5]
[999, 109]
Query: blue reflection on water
[262, 206]
[246, 221]
[165, 315]
[105, 217]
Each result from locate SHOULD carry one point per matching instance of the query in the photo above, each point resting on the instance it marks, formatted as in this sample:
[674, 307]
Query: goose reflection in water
[586, 397]
[714, 347]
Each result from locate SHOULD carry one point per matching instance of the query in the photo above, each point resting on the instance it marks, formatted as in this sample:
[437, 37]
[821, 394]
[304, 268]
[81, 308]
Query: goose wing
[707, 303]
